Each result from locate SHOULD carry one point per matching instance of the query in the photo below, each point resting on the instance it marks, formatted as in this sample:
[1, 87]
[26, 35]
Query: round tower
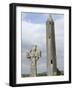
[51, 48]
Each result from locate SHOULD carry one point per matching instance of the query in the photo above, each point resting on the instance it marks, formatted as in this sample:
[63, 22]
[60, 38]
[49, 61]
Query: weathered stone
[34, 54]
[51, 48]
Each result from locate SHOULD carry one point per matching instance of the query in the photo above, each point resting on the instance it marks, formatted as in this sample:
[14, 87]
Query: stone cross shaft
[34, 54]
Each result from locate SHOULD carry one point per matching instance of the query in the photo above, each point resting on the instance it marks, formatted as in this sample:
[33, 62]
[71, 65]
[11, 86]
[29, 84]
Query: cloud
[25, 69]
[59, 36]
[33, 33]
[42, 67]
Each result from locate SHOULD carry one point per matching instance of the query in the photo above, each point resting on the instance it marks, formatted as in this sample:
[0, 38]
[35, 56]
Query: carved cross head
[33, 53]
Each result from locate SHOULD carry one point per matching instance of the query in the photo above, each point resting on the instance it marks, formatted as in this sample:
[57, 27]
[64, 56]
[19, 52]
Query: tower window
[51, 62]
[49, 22]
[49, 37]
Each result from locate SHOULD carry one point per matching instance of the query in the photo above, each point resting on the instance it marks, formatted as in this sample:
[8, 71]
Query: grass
[39, 74]
[44, 74]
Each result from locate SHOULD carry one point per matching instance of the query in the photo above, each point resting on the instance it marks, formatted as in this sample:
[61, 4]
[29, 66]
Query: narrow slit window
[49, 37]
[51, 62]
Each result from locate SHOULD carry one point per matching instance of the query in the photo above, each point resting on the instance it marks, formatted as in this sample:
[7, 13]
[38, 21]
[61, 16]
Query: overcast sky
[34, 33]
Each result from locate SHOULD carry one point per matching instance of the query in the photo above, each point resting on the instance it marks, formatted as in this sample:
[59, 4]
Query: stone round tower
[51, 48]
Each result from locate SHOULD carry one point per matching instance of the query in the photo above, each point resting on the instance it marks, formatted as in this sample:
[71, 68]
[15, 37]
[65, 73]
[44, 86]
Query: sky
[34, 33]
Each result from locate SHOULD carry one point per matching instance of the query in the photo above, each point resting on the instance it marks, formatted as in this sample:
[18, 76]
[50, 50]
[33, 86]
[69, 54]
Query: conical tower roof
[50, 18]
